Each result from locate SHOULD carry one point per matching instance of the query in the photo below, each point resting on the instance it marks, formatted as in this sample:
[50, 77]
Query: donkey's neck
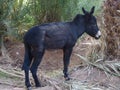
[80, 30]
[76, 31]
[79, 25]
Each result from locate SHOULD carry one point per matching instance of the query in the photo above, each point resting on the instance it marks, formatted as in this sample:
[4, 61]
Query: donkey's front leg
[66, 60]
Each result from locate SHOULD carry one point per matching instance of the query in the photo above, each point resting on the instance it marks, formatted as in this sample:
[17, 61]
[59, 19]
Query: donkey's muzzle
[98, 35]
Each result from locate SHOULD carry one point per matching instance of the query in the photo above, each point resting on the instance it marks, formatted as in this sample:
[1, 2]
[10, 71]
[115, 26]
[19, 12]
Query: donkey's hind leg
[37, 59]
[27, 61]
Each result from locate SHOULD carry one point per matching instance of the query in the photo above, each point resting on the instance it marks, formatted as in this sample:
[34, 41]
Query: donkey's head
[91, 26]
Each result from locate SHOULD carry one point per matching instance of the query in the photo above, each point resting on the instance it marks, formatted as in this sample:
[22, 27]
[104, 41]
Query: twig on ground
[11, 74]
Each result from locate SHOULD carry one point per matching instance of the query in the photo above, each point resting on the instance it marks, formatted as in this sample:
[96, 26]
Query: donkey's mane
[77, 18]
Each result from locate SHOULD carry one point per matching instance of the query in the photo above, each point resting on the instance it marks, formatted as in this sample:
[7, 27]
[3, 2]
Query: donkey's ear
[92, 10]
[84, 11]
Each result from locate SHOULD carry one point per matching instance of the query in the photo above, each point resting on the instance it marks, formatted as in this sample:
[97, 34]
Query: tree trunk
[112, 27]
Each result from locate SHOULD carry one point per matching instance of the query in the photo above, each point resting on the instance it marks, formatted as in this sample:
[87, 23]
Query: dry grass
[109, 67]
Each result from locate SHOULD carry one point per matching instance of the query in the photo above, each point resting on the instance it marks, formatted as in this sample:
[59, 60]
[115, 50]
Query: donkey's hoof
[67, 78]
[29, 88]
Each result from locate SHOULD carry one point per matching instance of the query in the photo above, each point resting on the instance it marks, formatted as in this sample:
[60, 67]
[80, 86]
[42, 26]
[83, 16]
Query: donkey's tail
[27, 57]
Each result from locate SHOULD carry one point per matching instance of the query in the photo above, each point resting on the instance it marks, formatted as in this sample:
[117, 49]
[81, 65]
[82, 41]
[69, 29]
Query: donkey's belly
[55, 43]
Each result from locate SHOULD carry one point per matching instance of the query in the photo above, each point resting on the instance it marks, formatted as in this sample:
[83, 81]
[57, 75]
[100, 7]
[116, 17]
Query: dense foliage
[19, 15]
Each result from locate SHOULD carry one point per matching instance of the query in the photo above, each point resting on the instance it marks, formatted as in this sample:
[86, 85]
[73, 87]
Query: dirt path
[82, 78]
